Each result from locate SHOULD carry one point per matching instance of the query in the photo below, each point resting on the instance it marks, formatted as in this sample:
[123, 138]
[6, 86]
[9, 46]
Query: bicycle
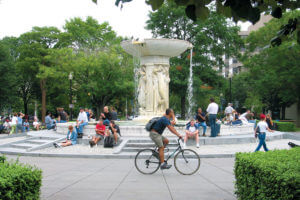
[147, 160]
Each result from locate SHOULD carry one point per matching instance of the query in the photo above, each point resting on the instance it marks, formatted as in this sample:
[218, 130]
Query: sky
[19, 16]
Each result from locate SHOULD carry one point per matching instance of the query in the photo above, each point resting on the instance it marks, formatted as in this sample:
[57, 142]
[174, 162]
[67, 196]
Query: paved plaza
[112, 179]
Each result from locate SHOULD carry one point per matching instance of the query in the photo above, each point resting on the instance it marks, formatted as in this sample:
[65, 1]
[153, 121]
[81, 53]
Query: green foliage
[238, 9]
[8, 80]
[37, 65]
[273, 72]
[19, 181]
[254, 102]
[271, 175]
[2, 158]
[285, 126]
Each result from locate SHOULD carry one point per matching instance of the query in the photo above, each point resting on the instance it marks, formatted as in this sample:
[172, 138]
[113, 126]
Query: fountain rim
[127, 43]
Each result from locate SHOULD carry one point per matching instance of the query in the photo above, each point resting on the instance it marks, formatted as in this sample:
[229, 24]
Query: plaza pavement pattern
[117, 179]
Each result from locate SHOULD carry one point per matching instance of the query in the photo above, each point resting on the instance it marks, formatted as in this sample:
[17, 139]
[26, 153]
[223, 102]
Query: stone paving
[111, 179]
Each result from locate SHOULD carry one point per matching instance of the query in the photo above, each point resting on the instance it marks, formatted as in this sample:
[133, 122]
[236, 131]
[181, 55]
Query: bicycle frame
[174, 152]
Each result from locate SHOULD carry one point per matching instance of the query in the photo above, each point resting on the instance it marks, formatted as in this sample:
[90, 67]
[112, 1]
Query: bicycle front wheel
[187, 162]
[147, 161]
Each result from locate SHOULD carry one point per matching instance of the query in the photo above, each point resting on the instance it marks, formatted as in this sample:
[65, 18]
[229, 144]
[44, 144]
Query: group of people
[18, 122]
[106, 127]
[192, 129]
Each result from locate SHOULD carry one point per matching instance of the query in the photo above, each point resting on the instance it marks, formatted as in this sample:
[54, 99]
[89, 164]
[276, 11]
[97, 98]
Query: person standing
[261, 129]
[13, 123]
[200, 117]
[82, 121]
[20, 122]
[212, 110]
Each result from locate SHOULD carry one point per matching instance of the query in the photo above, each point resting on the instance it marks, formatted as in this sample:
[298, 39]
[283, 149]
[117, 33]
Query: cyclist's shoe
[155, 154]
[165, 166]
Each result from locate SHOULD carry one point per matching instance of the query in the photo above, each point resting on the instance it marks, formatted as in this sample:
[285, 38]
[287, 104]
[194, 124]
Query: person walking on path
[260, 131]
[157, 137]
[212, 110]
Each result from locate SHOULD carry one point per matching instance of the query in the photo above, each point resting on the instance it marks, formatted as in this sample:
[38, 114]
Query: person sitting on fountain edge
[114, 129]
[100, 133]
[82, 120]
[157, 137]
[200, 117]
[106, 116]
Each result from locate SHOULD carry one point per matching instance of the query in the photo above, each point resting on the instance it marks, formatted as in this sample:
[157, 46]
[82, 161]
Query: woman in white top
[261, 129]
[13, 123]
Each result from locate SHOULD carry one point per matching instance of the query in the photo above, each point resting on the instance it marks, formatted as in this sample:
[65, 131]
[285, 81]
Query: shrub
[274, 175]
[19, 181]
[285, 126]
[2, 159]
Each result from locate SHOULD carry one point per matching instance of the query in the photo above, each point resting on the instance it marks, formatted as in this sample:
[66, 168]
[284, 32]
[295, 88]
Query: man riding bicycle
[161, 141]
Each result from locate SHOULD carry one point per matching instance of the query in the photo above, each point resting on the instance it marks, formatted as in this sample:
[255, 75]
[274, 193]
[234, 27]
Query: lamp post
[71, 105]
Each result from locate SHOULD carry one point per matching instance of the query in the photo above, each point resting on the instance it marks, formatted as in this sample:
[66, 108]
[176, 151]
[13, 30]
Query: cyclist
[157, 137]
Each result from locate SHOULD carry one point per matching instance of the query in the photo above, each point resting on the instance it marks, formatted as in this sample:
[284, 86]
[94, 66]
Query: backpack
[108, 142]
[151, 123]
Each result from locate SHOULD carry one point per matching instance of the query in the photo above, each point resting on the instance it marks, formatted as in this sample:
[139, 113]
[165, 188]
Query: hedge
[18, 181]
[285, 126]
[272, 175]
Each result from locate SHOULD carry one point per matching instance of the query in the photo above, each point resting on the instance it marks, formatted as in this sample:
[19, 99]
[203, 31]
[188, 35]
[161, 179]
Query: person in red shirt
[100, 133]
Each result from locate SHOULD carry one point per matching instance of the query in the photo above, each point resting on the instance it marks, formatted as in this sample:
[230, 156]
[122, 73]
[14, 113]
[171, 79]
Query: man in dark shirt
[161, 141]
[115, 130]
[114, 114]
[106, 116]
[200, 117]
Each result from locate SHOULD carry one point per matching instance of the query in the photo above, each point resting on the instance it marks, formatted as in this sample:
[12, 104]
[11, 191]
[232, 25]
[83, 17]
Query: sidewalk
[110, 179]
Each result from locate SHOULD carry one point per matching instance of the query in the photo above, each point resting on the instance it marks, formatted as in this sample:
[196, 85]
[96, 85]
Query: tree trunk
[283, 112]
[25, 103]
[183, 107]
[43, 90]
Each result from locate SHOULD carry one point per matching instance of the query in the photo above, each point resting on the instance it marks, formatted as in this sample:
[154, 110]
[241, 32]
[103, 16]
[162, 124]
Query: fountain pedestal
[153, 82]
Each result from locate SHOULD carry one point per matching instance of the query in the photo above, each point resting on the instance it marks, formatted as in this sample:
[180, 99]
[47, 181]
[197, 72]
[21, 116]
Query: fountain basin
[156, 47]
[136, 130]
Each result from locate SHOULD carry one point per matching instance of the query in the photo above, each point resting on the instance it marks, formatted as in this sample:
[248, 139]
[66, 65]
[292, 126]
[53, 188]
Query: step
[10, 149]
[38, 141]
[134, 149]
[145, 145]
[148, 141]
[23, 145]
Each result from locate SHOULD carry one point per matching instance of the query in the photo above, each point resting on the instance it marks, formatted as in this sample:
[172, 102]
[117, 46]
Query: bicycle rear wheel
[147, 161]
[187, 162]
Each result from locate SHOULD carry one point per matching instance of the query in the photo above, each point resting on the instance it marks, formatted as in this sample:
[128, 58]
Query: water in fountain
[190, 87]
[136, 80]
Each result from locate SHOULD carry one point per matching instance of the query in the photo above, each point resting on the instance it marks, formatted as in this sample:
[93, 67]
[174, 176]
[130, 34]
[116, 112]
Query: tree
[244, 10]
[275, 70]
[8, 80]
[212, 39]
[35, 57]
[103, 71]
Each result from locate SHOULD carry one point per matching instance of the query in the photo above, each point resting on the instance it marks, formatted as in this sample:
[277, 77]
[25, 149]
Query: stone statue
[161, 85]
[141, 89]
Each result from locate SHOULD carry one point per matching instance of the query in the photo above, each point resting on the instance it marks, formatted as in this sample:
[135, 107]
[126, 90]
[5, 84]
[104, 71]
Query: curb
[102, 156]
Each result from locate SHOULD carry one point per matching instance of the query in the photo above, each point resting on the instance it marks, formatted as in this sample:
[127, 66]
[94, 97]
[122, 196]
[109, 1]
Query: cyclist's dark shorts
[157, 138]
